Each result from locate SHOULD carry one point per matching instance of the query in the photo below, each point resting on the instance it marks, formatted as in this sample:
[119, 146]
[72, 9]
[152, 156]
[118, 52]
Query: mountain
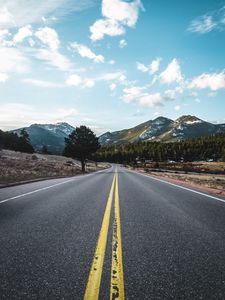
[163, 130]
[51, 135]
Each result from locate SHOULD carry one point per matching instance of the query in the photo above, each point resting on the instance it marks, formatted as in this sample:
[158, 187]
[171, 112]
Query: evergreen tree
[80, 144]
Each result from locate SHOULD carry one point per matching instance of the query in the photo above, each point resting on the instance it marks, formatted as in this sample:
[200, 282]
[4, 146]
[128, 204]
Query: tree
[24, 144]
[80, 144]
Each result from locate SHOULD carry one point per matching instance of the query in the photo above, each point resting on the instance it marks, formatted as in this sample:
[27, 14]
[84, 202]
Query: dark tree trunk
[83, 165]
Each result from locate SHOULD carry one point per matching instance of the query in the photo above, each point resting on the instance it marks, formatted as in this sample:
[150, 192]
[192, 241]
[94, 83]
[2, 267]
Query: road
[114, 234]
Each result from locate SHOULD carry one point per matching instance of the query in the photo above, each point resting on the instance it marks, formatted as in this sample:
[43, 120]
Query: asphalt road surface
[114, 234]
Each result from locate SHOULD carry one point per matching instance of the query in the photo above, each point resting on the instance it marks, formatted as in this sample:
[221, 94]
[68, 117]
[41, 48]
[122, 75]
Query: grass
[17, 167]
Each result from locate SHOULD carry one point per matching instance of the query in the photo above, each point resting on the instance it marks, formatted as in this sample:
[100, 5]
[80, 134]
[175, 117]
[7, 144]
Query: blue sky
[110, 64]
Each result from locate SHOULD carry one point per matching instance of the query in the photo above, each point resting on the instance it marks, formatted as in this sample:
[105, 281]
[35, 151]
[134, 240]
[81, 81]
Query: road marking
[94, 279]
[117, 278]
[51, 186]
[35, 191]
[182, 187]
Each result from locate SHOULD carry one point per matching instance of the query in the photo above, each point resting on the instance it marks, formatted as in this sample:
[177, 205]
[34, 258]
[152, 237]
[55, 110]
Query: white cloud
[177, 107]
[49, 37]
[17, 115]
[53, 58]
[152, 68]
[105, 27]
[121, 11]
[203, 24]
[74, 80]
[6, 18]
[117, 14]
[4, 33]
[3, 77]
[208, 22]
[88, 82]
[42, 83]
[151, 100]
[122, 43]
[141, 67]
[212, 81]
[140, 96]
[112, 62]
[172, 73]
[84, 51]
[23, 32]
[171, 95]
[12, 60]
[119, 76]
[18, 13]
[112, 86]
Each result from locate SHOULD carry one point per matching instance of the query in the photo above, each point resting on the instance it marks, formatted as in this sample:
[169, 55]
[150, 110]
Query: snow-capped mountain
[51, 135]
[163, 130]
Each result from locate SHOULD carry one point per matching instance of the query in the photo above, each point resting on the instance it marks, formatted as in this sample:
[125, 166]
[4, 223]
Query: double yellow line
[117, 278]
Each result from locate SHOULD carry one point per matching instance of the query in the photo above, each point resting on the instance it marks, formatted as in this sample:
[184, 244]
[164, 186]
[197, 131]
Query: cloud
[12, 60]
[112, 86]
[122, 43]
[140, 96]
[6, 18]
[18, 13]
[3, 77]
[117, 15]
[23, 32]
[203, 24]
[53, 58]
[172, 73]
[171, 95]
[152, 68]
[212, 81]
[105, 27]
[76, 80]
[50, 53]
[177, 107]
[42, 83]
[49, 37]
[141, 67]
[17, 115]
[208, 22]
[84, 51]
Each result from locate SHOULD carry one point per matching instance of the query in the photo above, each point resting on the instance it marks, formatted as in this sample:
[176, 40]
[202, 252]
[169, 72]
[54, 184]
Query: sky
[110, 64]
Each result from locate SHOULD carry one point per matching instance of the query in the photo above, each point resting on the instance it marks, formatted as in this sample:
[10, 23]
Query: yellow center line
[94, 280]
[117, 277]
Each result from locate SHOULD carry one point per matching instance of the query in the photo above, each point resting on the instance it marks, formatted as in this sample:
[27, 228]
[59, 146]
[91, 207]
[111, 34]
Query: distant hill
[163, 130]
[51, 135]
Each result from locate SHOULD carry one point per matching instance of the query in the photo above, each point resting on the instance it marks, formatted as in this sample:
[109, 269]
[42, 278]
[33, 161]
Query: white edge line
[47, 187]
[181, 187]
[35, 191]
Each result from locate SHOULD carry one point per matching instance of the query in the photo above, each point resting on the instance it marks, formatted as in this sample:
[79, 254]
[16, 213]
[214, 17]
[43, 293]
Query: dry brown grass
[16, 166]
[210, 181]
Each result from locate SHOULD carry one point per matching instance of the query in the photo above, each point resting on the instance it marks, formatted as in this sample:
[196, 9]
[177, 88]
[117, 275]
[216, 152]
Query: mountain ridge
[162, 129]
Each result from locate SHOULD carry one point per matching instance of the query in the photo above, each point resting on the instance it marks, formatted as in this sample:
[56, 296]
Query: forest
[200, 149]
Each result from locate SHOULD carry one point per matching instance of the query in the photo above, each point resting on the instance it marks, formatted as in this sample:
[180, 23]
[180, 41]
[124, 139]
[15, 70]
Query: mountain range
[50, 135]
[160, 129]
[163, 130]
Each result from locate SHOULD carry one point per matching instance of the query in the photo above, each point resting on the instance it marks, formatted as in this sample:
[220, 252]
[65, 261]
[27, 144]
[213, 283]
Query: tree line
[204, 148]
[12, 141]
